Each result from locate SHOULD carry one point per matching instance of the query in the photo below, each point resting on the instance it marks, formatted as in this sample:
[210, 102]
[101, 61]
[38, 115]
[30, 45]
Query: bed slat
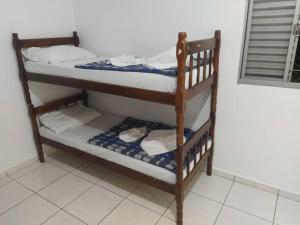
[210, 61]
[198, 67]
[204, 65]
[191, 71]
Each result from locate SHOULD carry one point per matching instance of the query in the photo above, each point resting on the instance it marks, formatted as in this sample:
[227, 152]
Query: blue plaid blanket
[106, 65]
[110, 140]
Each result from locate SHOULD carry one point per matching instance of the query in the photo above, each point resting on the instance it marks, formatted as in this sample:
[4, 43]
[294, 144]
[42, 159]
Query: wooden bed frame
[211, 49]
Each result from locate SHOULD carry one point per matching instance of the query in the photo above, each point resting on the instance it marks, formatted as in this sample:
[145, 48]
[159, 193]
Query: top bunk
[196, 69]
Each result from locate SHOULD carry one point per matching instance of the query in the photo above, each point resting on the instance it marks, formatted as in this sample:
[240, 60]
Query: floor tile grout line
[251, 214]
[68, 172]
[60, 209]
[105, 188]
[233, 181]
[11, 180]
[61, 167]
[14, 178]
[15, 205]
[57, 206]
[143, 206]
[50, 217]
[43, 187]
[33, 193]
[40, 165]
[203, 196]
[107, 215]
[79, 196]
[87, 179]
[98, 185]
[104, 176]
[74, 216]
[53, 182]
[246, 212]
[162, 215]
[275, 210]
[228, 192]
[93, 184]
[37, 160]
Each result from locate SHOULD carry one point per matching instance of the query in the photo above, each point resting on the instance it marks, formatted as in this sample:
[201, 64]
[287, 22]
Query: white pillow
[64, 119]
[55, 54]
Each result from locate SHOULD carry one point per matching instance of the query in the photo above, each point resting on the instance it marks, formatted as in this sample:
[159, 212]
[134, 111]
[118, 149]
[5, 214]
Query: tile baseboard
[223, 174]
[258, 185]
[289, 195]
[47, 151]
[216, 171]
[22, 165]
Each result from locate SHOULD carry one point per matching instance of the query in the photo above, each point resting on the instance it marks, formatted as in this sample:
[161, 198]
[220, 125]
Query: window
[270, 42]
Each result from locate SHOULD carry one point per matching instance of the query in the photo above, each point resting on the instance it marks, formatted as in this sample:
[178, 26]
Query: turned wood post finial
[218, 37]
[75, 38]
[15, 40]
[181, 44]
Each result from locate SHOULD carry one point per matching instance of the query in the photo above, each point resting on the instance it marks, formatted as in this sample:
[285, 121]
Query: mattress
[147, 81]
[78, 138]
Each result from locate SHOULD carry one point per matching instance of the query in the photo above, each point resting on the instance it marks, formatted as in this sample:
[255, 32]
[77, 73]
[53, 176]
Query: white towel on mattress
[133, 134]
[126, 60]
[160, 141]
[67, 118]
[164, 60]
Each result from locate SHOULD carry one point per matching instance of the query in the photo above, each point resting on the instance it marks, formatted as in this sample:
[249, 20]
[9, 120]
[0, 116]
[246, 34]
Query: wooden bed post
[75, 39]
[85, 97]
[180, 105]
[214, 92]
[31, 111]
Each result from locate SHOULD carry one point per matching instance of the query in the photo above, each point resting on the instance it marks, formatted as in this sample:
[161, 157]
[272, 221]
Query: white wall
[257, 127]
[30, 18]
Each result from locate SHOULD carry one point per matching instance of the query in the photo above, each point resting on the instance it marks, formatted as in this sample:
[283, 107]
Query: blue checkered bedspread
[106, 65]
[110, 140]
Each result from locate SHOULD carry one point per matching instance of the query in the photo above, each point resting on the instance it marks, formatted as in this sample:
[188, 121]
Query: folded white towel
[164, 60]
[70, 117]
[126, 60]
[160, 141]
[133, 134]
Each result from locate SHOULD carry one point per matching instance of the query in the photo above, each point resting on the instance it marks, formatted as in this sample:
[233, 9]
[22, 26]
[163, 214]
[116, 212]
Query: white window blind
[268, 39]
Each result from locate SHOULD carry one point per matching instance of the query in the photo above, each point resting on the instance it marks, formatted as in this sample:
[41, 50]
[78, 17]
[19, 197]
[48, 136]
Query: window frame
[284, 82]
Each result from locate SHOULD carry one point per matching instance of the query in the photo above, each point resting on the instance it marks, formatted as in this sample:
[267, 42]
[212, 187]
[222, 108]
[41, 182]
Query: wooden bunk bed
[209, 48]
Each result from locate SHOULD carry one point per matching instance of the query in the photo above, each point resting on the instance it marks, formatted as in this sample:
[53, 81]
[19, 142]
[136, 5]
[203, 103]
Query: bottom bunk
[80, 136]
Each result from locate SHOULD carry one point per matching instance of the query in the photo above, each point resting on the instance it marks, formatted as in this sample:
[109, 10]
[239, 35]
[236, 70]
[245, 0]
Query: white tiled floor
[69, 191]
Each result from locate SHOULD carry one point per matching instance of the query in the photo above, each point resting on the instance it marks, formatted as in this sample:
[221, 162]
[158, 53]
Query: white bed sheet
[147, 81]
[78, 138]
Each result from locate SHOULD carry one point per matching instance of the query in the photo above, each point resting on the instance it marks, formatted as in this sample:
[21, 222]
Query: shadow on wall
[198, 109]
[43, 93]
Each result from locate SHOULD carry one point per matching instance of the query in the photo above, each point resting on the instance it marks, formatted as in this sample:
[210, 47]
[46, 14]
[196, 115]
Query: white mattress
[147, 81]
[78, 137]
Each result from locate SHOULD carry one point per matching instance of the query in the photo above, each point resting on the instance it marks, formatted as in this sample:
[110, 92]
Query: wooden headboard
[40, 42]
[44, 42]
